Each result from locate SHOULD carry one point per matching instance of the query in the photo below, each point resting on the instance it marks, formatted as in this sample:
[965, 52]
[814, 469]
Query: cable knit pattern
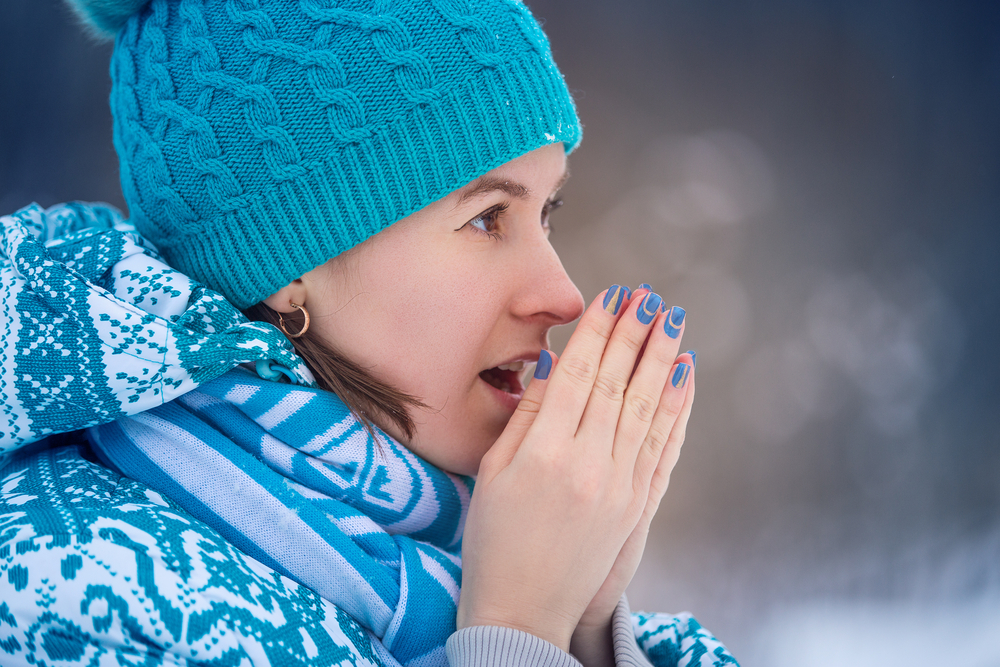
[480, 43]
[202, 145]
[143, 151]
[259, 139]
[393, 43]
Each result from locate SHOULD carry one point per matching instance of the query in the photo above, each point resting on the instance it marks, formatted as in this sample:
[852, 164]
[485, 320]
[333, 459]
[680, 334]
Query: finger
[639, 292]
[644, 395]
[571, 383]
[672, 450]
[661, 446]
[613, 396]
[524, 416]
[660, 478]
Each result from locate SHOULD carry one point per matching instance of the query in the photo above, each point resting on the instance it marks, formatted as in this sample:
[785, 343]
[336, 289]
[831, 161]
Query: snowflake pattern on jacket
[97, 569]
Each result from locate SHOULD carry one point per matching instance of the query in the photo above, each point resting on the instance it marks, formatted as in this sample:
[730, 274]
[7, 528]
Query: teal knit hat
[260, 138]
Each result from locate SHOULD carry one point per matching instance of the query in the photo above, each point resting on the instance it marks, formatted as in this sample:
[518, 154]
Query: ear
[282, 300]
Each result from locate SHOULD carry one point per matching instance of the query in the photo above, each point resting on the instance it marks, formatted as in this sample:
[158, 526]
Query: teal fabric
[375, 529]
[94, 325]
[257, 140]
[99, 569]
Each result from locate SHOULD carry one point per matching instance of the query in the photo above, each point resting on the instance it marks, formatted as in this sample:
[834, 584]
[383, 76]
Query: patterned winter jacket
[98, 569]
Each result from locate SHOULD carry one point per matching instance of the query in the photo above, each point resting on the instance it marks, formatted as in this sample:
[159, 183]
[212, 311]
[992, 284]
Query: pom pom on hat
[105, 17]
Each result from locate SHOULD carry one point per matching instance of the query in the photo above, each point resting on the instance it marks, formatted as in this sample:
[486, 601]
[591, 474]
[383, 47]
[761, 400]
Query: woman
[371, 185]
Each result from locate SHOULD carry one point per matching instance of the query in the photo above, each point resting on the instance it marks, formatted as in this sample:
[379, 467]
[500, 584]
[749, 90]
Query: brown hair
[370, 400]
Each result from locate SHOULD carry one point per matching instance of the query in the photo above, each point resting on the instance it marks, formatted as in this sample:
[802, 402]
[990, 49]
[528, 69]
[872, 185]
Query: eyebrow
[487, 184]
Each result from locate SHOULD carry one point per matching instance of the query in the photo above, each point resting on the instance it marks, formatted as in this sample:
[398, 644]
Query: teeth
[516, 366]
[505, 386]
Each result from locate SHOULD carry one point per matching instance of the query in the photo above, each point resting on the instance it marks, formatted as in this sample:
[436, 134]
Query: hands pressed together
[564, 499]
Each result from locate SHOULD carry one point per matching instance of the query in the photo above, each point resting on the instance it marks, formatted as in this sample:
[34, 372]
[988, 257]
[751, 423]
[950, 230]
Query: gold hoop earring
[305, 326]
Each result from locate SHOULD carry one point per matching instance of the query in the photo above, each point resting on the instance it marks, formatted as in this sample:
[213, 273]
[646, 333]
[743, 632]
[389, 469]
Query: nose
[546, 292]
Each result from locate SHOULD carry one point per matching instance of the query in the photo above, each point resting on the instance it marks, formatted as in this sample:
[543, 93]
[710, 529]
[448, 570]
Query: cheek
[445, 325]
[424, 329]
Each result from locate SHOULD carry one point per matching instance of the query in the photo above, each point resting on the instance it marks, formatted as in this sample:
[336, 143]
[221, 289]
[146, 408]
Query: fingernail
[614, 299]
[544, 366]
[628, 292]
[680, 376]
[646, 286]
[694, 358]
[663, 306]
[672, 325]
[647, 309]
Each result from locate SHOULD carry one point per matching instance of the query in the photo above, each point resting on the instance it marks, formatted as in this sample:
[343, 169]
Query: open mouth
[505, 377]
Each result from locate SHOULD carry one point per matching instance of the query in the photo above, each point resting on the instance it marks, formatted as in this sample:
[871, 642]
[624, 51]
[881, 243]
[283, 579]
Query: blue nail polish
[544, 366]
[680, 376]
[628, 292]
[614, 299]
[663, 306]
[646, 286]
[694, 358]
[647, 309]
[672, 325]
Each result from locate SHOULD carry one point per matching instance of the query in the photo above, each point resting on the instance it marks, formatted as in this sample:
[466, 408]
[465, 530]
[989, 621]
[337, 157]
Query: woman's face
[435, 303]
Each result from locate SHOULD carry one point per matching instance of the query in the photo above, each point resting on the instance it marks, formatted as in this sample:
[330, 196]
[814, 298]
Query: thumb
[507, 444]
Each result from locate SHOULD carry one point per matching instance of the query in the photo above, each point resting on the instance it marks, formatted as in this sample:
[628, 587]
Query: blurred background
[818, 183]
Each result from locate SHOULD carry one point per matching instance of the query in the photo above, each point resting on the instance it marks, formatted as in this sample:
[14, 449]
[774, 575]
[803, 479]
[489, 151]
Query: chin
[458, 451]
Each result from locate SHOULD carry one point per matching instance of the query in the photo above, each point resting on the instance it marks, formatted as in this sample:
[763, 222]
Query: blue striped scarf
[97, 331]
[288, 475]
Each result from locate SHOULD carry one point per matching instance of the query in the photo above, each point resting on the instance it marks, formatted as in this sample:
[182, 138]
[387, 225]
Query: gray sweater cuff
[627, 651]
[495, 646]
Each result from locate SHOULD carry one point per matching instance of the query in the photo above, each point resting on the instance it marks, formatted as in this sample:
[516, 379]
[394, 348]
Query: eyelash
[492, 214]
[550, 206]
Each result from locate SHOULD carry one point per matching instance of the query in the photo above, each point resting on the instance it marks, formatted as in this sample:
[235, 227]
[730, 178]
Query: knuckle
[658, 434]
[662, 354]
[610, 387]
[634, 340]
[672, 410]
[593, 330]
[642, 406]
[548, 460]
[529, 404]
[579, 368]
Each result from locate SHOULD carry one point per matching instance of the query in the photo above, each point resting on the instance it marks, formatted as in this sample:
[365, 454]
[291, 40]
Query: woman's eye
[486, 222]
